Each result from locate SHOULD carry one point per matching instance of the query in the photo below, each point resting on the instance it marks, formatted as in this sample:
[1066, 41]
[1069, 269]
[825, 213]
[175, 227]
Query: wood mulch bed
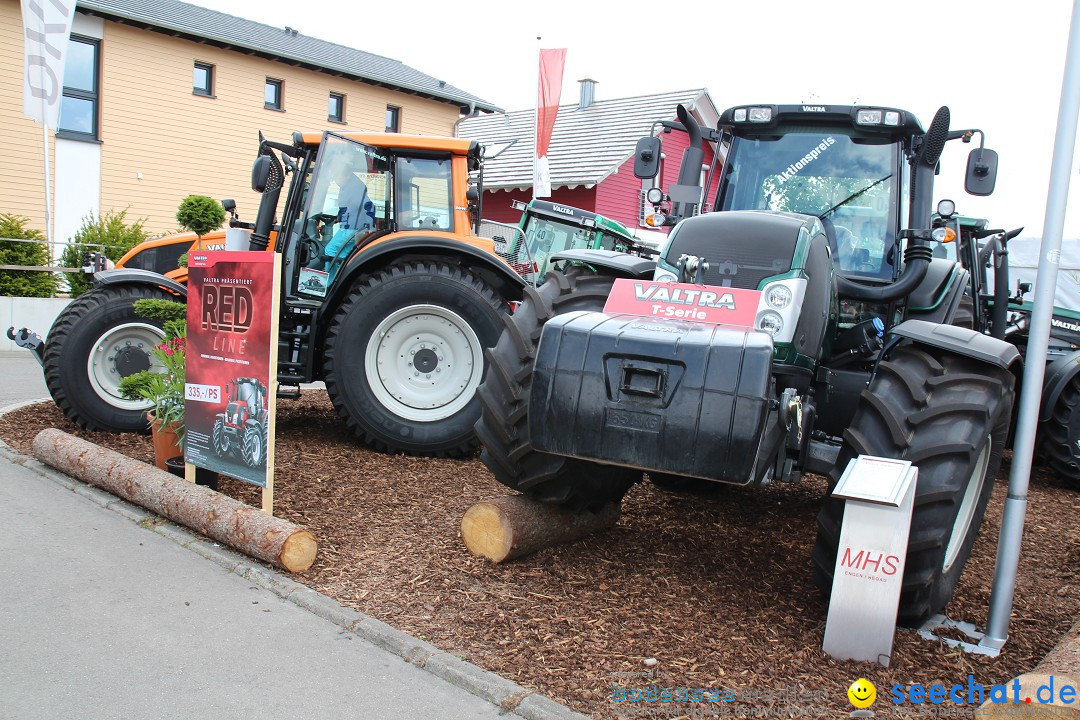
[716, 587]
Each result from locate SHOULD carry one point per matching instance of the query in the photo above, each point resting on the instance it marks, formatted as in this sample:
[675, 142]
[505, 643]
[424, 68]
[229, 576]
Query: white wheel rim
[101, 365]
[967, 507]
[424, 363]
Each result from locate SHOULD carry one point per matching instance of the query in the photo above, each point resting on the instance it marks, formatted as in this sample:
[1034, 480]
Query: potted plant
[163, 384]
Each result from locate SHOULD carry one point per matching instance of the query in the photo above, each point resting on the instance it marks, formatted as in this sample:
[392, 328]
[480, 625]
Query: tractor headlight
[770, 322]
[778, 296]
[654, 195]
[760, 114]
[868, 117]
[779, 307]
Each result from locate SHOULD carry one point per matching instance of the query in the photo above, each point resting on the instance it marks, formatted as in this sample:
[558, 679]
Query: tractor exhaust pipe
[267, 177]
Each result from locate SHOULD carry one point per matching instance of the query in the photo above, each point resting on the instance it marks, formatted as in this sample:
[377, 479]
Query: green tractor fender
[1058, 375]
[622, 264]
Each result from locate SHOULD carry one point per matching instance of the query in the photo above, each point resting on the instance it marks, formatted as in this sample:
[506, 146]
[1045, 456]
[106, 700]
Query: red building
[591, 154]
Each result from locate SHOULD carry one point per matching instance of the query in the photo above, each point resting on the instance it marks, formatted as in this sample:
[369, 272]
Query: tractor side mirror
[982, 169]
[260, 173]
[982, 172]
[647, 158]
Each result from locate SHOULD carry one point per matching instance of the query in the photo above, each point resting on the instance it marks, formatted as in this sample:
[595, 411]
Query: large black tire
[220, 438]
[405, 354]
[97, 340]
[950, 416]
[1059, 437]
[965, 314]
[253, 445]
[503, 427]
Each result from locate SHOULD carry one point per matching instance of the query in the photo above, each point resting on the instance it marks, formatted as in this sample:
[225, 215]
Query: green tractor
[835, 338]
[547, 228]
[984, 251]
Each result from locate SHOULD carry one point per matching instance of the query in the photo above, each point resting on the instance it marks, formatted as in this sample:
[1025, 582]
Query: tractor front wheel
[95, 342]
[405, 354]
[949, 416]
[503, 427]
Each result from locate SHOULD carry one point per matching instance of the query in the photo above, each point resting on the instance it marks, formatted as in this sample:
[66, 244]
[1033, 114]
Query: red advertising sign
[684, 301]
[232, 364]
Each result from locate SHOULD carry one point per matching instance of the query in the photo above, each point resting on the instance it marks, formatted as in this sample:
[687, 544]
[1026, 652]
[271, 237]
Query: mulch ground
[716, 587]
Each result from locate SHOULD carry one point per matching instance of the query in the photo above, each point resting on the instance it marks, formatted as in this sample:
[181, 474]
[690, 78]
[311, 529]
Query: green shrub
[111, 230]
[25, 283]
[163, 387]
[200, 214]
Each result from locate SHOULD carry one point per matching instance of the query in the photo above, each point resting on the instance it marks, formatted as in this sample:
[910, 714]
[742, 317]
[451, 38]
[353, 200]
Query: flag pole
[48, 194]
[536, 121]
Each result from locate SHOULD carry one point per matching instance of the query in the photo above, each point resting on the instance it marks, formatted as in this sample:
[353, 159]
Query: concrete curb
[506, 694]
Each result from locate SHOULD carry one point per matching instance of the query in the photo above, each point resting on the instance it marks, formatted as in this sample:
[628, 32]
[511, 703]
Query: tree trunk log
[508, 527]
[247, 529]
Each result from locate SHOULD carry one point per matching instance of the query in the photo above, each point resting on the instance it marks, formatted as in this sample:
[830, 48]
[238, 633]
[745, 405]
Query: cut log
[508, 527]
[247, 529]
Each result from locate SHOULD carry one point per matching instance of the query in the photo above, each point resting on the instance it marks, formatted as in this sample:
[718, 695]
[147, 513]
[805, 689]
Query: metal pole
[48, 194]
[1012, 523]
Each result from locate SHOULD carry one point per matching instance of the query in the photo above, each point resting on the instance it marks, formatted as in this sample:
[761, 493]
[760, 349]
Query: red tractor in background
[244, 426]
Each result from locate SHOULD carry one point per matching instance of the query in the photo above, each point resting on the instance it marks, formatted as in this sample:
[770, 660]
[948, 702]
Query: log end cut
[505, 528]
[298, 551]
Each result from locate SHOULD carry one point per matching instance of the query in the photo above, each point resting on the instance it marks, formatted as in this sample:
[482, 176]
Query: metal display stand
[869, 572]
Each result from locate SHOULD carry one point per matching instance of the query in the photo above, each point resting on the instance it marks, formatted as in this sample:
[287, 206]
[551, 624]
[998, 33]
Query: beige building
[163, 99]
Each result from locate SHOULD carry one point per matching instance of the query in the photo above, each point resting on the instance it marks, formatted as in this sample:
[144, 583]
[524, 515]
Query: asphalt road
[103, 618]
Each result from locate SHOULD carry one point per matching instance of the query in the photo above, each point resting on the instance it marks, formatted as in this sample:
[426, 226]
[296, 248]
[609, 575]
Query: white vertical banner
[46, 27]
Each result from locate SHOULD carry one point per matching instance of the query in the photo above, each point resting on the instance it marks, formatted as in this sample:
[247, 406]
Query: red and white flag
[46, 26]
[547, 108]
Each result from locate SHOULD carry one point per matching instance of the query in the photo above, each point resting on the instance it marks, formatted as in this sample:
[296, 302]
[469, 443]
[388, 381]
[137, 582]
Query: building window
[336, 112]
[393, 119]
[272, 94]
[203, 83]
[79, 104]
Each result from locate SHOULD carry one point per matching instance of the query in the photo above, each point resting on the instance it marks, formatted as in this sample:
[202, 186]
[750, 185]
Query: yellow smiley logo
[862, 693]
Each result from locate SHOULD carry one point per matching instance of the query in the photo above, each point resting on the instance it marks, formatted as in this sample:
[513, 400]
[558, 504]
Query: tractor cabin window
[272, 95]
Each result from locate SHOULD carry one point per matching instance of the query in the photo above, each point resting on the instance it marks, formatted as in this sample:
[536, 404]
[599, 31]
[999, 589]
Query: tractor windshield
[851, 185]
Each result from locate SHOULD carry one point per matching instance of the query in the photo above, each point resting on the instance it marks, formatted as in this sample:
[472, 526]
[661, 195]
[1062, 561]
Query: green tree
[24, 283]
[111, 230]
[200, 214]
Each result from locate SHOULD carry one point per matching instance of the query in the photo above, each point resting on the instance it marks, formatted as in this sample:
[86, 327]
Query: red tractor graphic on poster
[243, 427]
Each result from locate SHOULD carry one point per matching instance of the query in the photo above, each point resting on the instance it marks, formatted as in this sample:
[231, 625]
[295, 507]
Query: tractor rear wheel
[1059, 437]
[95, 342]
[503, 427]
[405, 354]
[253, 445]
[220, 438]
[950, 416]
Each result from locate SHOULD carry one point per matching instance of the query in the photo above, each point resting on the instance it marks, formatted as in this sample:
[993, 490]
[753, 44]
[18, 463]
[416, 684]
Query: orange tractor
[389, 293]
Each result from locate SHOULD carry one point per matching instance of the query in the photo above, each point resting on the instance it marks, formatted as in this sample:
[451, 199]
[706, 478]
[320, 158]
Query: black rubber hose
[916, 260]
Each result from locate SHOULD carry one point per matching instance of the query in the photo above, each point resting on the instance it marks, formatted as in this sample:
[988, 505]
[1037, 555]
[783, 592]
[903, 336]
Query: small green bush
[25, 283]
[111, 230]
[200, 214]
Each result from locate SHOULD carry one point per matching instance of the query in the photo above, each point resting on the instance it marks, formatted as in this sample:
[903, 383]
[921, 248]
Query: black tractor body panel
[669, 396]
[741, 247]
[961, 341]
[623, 264]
